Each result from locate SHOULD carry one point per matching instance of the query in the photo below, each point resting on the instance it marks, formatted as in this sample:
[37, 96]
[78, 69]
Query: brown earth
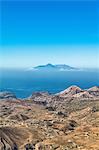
[50, 122]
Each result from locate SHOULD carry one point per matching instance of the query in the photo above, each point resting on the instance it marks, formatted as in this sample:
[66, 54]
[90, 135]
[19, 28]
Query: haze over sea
[37, 32]
[23, 82]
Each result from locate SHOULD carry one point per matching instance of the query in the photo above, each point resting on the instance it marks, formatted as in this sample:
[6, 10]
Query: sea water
[23, 82]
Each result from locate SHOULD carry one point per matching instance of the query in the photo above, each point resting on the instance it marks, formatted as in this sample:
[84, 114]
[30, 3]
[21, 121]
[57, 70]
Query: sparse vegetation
[67, 123]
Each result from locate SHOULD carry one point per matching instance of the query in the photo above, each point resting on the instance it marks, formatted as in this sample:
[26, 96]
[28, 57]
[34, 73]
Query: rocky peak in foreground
[69, 92]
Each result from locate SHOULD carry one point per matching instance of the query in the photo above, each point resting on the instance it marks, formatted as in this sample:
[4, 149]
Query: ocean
[23, 83]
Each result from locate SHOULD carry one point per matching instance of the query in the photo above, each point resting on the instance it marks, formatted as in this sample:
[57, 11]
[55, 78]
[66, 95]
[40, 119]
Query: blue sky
[37, 32]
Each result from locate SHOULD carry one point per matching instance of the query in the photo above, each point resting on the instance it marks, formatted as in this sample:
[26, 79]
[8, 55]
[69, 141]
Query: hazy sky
[40, 32]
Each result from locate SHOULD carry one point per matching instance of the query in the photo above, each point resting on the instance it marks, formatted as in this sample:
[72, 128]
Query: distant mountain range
[51, 67]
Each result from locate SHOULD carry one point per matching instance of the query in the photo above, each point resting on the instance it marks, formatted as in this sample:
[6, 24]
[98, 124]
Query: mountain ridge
[51, 67]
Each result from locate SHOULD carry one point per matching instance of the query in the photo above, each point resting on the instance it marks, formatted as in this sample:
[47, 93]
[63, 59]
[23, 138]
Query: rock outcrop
[84, 94]
[40, 97]
[7, 95]
[94, 91]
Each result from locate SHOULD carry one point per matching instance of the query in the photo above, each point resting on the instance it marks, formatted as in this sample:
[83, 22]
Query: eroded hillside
[66, 121]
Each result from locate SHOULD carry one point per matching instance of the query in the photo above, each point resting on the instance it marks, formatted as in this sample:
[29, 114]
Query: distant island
[51, 67]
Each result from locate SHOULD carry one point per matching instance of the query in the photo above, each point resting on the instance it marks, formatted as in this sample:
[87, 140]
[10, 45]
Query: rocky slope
[51, 122]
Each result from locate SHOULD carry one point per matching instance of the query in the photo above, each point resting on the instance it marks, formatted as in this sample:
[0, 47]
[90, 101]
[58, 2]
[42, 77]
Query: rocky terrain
[68, 120]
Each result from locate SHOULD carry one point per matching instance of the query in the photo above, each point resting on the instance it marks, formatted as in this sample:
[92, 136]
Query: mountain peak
[94, 88]
[49, 64]
[70, 91]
